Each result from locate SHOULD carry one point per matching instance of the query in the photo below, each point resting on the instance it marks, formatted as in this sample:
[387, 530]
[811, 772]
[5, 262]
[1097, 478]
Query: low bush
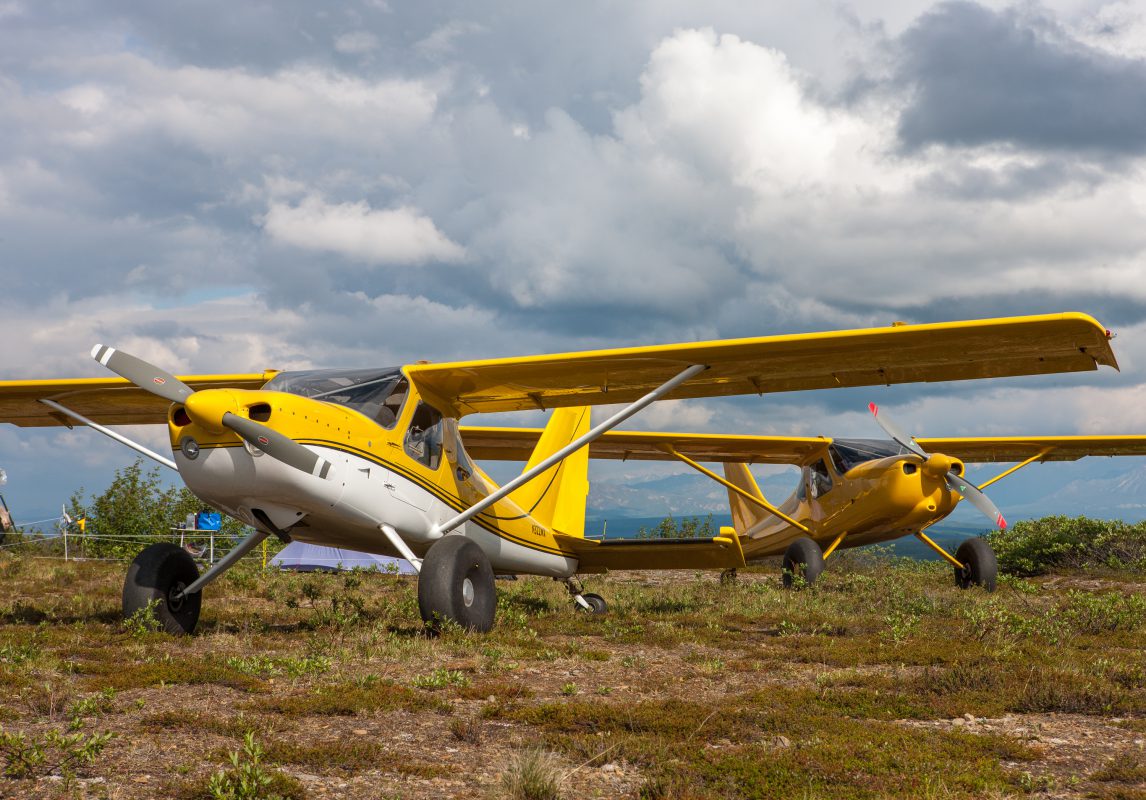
[1039, 546]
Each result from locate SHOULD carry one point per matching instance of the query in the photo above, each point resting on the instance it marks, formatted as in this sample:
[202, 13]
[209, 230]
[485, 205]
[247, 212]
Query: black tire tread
[981, 568]
[447, 563]
[151, 576]
[804, 558]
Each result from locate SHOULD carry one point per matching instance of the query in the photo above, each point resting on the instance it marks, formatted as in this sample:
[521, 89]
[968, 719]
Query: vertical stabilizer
[744, 513]
[557, 497]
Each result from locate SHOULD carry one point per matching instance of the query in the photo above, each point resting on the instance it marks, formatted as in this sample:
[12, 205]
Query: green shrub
[248, 779]
[687, 528]
[136, 510]
[31, 756]
[1036, 547]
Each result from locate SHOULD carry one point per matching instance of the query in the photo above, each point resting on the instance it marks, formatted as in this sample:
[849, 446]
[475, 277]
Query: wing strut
[571, 448]
[1037, 457]
[934, 545]
[167, 462]
[764, 504]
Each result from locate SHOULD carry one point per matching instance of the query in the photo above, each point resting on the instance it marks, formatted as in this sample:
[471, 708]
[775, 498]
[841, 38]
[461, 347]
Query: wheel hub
[175, 596]
[467, 592]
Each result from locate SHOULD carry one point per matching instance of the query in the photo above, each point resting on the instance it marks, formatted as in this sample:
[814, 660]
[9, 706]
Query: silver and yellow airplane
[372, 459]
[850, 492]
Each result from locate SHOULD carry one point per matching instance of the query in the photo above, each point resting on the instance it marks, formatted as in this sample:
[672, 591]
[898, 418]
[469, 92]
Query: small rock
[609, 768]
[969, 717]
[958, 722]
[782, 741]
[359, 731]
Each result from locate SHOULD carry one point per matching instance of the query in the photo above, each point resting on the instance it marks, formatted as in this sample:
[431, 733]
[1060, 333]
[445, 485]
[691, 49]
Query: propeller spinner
[954, 482]
[163, 384]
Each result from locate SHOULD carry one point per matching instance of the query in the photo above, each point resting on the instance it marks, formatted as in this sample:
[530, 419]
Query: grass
[854, 688]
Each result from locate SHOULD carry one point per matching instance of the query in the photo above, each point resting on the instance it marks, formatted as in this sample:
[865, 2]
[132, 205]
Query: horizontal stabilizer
[599, 555]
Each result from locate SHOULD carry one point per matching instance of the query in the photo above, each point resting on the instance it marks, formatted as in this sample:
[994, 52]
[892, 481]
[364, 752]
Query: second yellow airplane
[850, 492]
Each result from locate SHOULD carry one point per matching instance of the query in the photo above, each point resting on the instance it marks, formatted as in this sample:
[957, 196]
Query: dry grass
[881, 681]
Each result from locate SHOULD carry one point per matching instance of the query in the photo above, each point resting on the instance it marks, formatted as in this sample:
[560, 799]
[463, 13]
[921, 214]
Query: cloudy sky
[231, 186]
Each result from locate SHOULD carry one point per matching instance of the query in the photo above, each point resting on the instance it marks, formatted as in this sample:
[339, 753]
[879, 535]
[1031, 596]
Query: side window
[821, 479]
[423, 441]
[391, 407]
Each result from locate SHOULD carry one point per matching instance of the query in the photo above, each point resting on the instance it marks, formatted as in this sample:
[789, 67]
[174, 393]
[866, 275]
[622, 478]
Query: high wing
[516, 444]
[947, 351]
[108, 401]
[1006, 449]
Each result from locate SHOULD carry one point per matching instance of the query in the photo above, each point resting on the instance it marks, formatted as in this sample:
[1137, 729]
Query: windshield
[376, 393]
[848, 453]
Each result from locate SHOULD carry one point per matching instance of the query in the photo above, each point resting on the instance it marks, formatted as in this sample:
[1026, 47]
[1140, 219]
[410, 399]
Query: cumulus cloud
[389, 236]
[356, 42]
[729, 108]
[568, 178]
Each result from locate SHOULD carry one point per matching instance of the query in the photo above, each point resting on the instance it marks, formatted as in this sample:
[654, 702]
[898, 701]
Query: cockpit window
[848, 453]
[375, 393]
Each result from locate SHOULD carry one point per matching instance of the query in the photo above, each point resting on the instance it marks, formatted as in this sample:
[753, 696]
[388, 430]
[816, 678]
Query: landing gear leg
[585, 601]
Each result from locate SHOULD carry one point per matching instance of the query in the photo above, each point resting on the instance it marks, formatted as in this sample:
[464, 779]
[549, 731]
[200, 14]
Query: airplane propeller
[144, 375]
[941, 465]
[163, 384]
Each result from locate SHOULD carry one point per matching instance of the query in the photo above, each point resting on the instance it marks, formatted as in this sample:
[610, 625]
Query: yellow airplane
[851, 492]
[372, 459]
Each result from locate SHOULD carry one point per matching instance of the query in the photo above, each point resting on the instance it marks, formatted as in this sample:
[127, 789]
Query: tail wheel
[980, 568]
[597, 604]
[156, 578]
[804, 558]
[456, 583]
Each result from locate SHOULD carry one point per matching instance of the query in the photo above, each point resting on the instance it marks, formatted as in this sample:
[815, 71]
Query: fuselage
[867, 490]
[395, 460]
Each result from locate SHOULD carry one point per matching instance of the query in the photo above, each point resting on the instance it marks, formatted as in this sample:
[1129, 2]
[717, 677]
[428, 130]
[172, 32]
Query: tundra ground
[883, 680]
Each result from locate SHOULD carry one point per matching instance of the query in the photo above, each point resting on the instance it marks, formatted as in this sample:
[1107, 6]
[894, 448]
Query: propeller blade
[892, 430]
[977, 498]
[145, 376]
[277, 445]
